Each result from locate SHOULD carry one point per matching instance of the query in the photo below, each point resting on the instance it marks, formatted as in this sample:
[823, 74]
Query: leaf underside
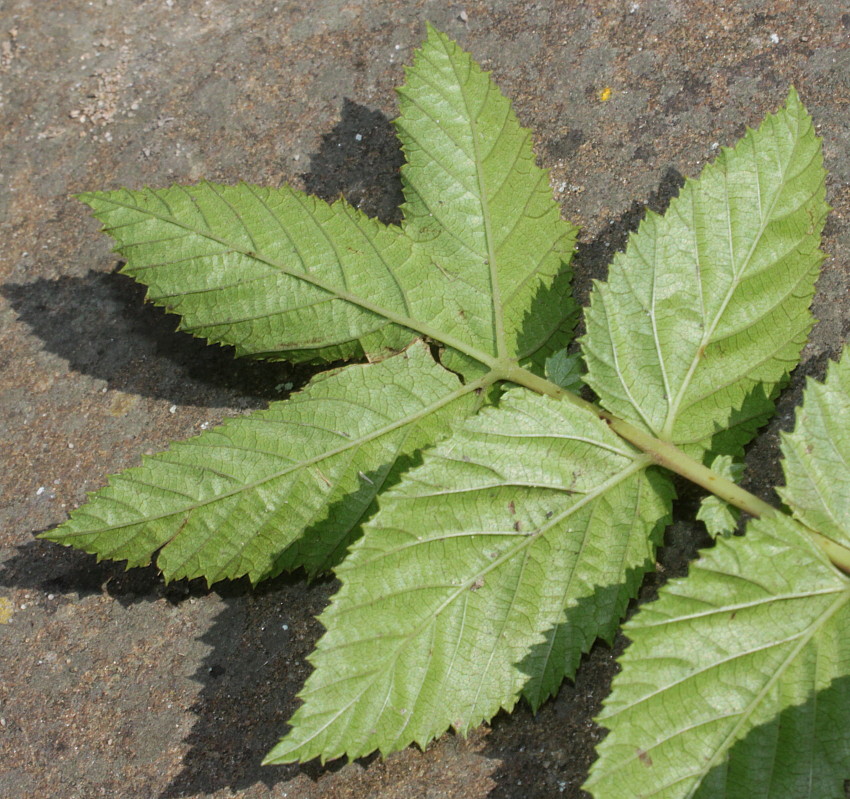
[494, 559]
[485, 574]
[279, 274]
[476, 199]
[708, 309]
[735, 683]
[276, 489]
[817, 456]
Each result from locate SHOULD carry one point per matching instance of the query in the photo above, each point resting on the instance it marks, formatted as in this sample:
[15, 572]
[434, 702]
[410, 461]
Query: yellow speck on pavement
[6, 610]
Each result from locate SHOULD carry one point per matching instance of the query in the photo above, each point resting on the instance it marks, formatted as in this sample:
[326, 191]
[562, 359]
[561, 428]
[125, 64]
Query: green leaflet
[277, 489]
[486, 572]
[481, 206]
[274, 272]
[707, 310]
[747, 658]
[817, 456]
[719, 517]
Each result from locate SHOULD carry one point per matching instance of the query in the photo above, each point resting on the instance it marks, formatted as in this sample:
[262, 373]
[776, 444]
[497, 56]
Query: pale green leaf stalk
[492, 537]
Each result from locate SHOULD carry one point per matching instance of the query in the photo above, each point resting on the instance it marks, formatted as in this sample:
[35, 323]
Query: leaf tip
[278, 755]
[793, 98]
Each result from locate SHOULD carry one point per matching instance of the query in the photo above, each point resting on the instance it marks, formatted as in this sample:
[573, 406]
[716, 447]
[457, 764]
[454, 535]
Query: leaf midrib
[403, 320]
[482, 195]
[354, 442]
[766, 218]
[495, 288]
[639, 462]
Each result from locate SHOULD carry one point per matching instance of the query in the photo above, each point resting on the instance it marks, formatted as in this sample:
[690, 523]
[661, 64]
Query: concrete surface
[112, 684]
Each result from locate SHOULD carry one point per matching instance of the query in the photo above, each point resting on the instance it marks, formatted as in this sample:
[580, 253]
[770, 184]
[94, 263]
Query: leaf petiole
[671, 457]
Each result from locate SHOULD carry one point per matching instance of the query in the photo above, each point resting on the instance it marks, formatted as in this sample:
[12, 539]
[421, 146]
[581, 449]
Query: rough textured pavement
[112, 684]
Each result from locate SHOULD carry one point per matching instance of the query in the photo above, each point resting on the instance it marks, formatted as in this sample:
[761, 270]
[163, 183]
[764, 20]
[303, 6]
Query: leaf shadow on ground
[100, 324]
[256, 664]
[62, 572]
[359, 159]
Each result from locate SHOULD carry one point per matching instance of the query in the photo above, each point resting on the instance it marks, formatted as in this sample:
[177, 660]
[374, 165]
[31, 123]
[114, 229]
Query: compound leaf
[709, 306]
[735, 682]
[817, 456]
[491, 566]
[277, 489]
[486, 572]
